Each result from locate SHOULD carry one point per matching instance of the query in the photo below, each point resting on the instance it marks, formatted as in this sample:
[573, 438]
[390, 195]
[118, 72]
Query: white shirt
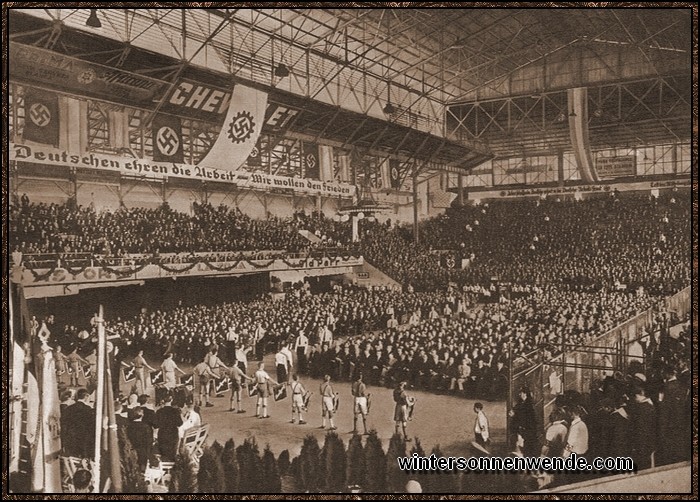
[301, 342]
[232, 336]
[288, 354]
[577, 439]
[281, 358]
[261, 376]
[242, 357]
[481, 425]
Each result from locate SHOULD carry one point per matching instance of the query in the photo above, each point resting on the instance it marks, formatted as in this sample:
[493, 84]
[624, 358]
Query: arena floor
[444, 420]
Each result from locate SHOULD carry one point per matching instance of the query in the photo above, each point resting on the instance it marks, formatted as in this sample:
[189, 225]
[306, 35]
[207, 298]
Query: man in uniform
[140, 366]
[238, 379]
[301, 344]
[298, 393]
[401, 409]
[262, 379]
[204, 374]
[327, 403]
[359, 393]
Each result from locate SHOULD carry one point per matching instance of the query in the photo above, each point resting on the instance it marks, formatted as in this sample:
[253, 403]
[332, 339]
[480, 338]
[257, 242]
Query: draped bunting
[299, 263]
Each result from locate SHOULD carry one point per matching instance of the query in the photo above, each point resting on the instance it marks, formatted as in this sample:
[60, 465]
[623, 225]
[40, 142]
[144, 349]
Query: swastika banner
[167, 139]
[311, 161]
[41, 117]
[240, 130]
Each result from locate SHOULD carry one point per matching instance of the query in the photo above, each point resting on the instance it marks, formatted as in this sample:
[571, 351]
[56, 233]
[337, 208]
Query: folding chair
[194, 439]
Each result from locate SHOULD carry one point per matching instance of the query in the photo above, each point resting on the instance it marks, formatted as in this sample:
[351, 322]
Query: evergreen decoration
[210, 477]
[310, 465]
[375, 464]
[230, 465]
[283, 463]
[272, 483]
[182, 476]
[249, 467]
[333, 464]
[396, 479]
[355, 461]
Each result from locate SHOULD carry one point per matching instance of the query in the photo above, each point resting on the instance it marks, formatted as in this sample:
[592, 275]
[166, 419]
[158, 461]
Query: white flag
[240, 131]
[51, 414]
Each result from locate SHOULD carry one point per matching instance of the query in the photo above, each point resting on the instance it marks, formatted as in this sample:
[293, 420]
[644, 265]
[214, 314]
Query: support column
[415, 207]
[355, 228]
[560, 167]
[460, 189]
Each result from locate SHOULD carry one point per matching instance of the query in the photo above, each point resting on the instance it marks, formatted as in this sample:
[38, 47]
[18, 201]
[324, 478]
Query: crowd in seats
[67, 228]
[466, 351]
[614, 241]
[265, 323]
[445, 344]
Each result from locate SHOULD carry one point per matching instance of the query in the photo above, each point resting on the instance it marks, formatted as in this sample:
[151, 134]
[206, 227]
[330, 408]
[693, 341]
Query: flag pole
[99, 397]
[113, 444]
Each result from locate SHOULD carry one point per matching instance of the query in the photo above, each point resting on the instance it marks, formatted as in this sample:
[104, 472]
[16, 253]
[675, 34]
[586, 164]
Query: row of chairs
[157, 476]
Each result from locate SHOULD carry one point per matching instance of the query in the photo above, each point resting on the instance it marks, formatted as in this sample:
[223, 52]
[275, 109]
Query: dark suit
[78, 430]
[620, 436]
[644, 433]
[141, 437]
[674, 421]
[168, 419]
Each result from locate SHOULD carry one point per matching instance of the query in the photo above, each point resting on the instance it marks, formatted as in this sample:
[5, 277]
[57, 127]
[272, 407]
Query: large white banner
[244, 121]
[148, 169]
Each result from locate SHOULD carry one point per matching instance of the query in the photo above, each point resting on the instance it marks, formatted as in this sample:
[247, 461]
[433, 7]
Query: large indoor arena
[329, 250]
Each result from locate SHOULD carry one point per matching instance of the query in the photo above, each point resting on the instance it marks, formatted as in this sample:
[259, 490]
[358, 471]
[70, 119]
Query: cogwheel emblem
[87, 76]
[241, 127]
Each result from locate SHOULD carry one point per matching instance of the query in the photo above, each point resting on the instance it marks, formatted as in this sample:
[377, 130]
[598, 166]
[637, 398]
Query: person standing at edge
[262, 381]
[327, 402]
[359, 393]
[298, 392]
[401, 409]
[237, 377]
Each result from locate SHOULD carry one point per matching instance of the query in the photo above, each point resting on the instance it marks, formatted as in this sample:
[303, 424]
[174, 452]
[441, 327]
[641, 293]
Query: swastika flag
[41, 123]
[167, 139]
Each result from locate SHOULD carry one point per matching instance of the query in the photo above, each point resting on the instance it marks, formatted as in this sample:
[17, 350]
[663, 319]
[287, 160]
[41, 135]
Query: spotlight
[561, 117]
[281, 70]
[93, 21]
[598, 113]
[389, 109]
